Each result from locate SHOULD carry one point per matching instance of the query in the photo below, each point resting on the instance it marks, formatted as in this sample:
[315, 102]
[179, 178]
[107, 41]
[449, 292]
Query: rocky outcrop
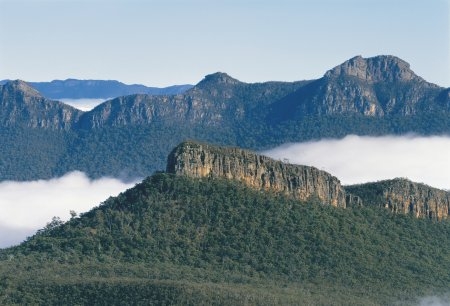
[300, 182]
[383, 68]
[23, 106]
[372, 87]
[405, 197]
[304, 183]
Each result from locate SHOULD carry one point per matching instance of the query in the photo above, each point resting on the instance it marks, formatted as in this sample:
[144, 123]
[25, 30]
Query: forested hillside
[178, 240]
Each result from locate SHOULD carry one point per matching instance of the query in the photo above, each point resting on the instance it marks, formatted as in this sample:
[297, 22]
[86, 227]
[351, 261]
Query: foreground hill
[179, 240]
[191, 237]
[130, 136]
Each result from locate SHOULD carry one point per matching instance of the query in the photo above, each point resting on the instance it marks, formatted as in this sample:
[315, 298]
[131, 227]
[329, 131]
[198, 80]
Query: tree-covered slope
[132, 135]
[173, 239]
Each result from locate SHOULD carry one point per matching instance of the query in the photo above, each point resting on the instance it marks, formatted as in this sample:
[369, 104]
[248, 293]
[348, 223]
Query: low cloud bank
[83, 104]
[360, 159]
[28, 206]
[435, 301]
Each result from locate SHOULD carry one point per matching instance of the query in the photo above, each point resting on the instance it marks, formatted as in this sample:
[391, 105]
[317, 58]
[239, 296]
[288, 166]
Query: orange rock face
[257, 171]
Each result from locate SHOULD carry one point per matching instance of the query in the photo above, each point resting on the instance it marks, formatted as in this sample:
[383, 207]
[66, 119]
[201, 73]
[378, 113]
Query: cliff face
[303, 183]
[260, 172]
[405, 197]
[375, 69]
[373, 87]
[21, 105]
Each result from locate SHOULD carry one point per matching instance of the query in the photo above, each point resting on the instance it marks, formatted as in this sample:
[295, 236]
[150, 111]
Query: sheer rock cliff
[300, 182]
[23, 106]
[405, 197]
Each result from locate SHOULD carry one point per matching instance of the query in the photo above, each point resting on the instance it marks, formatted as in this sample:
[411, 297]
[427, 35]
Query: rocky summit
[373, 87]
[300, 182]
[304, 183]
[376, 69]
[405, 197]
[23, 106]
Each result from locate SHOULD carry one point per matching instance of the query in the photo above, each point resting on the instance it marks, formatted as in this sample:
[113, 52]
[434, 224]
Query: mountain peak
[218, 78]
[374, 69]
[23, 87]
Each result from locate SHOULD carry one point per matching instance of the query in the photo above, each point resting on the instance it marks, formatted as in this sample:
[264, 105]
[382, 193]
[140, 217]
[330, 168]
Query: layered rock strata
[405, 197]
[300, 182]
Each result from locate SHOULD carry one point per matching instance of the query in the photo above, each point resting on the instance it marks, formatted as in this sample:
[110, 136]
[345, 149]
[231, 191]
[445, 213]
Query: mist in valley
[26, 207]
[360, 159]
[83, 104]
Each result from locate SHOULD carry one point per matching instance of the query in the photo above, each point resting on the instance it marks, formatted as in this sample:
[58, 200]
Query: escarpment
[257, 171]
[304, 183]
[405, 197]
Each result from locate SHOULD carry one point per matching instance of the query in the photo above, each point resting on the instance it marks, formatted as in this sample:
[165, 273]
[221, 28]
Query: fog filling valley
[361, 159]
[83, 104]
[28, 206]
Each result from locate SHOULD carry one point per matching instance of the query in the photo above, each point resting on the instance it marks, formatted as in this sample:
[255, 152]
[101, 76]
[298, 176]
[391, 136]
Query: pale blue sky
[167, 42]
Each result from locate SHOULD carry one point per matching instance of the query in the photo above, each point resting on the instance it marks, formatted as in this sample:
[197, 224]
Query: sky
[167, 42]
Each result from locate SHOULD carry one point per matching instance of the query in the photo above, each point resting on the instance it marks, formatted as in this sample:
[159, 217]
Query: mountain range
[227, 226]
[97, 89]
[130, 136]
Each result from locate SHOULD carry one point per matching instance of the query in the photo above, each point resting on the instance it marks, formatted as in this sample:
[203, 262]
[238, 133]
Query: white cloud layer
[359, 159]
[435, 301]
[28, 206]
[83, 104]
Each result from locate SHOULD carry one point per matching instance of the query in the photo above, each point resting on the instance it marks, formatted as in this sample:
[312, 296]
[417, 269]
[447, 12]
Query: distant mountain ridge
[375, 87]
[133, 134]
[98, 89]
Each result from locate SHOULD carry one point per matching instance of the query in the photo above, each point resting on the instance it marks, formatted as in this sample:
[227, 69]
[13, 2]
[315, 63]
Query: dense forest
[177, 240]
[138, 150]
[130, 136]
